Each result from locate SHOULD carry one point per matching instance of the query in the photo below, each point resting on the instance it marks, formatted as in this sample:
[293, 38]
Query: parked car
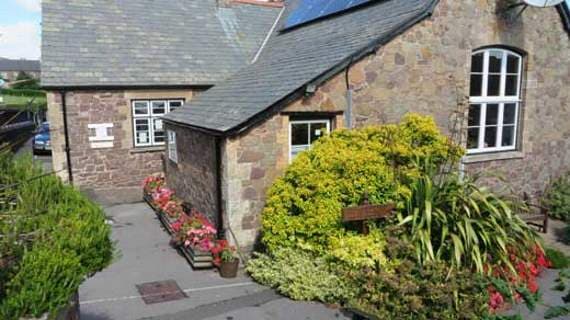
[41, 143]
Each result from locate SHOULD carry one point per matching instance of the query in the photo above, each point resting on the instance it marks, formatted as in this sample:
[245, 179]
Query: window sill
[147, 149]
[508, 155]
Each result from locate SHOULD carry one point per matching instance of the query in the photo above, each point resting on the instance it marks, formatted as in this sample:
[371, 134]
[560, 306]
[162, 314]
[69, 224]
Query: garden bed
[198, 259]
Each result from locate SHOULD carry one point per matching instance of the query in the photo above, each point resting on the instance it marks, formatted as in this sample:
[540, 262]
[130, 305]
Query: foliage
[222, 252]
[38, 213]
[26, 82]
[457, 221]
[23, 92]
[557, 311]
[194, 230]
[557, 198]
[300, 275]
[303, 208]
[558, 259]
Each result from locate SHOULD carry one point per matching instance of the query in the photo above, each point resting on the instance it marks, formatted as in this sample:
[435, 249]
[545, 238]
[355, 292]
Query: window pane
[509, 113]
[476, 84]
[300, 134]
[477, 62]
[490, 137]
[142, 130]
[512, 64]
[508, 136]
[158, 107]
[494, 87]
[140, 108]
[175, 105]
[318, 130]
[474, 115]
[495, 61]
[297, 149]
[472, 138]
[511, 86]
[158, 131]
[492, 114]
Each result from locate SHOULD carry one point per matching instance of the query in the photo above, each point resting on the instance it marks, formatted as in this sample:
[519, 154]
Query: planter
[229, 269]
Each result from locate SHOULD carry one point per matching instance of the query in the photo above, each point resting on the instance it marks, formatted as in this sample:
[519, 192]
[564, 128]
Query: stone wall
[426, 70]
[193, 178]
[109, 175]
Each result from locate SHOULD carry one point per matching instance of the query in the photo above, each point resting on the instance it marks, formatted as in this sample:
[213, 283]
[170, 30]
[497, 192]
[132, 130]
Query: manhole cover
[160, 291]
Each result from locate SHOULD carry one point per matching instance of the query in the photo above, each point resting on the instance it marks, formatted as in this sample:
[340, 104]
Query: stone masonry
[109, 175]
[426, 70]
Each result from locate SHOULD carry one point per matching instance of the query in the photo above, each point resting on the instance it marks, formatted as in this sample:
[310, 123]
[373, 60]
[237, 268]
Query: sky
[20, 29]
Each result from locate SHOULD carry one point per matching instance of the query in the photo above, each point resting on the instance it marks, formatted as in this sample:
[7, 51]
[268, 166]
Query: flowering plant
[222, 252]
[162, 196]
[173, 208]
[153, 182]
[194, 230]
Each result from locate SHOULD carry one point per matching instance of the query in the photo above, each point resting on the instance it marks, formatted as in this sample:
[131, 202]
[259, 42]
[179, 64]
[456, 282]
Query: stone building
[256, 82]
[112, 69]
[491, 75]
[11, 68]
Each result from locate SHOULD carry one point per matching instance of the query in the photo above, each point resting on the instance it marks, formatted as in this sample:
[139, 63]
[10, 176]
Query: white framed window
[494, 103]
[172, 149]
[148, 129]
[303, 133]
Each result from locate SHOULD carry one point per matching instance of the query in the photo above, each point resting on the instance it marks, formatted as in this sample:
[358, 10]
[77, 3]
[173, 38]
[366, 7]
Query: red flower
[496, 301]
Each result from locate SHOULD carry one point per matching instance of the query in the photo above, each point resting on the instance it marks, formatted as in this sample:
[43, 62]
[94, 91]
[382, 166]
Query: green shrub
[557, 258]
[300, 275]
[304, 206]
[458, 222]
[557, 198]
[44, 215]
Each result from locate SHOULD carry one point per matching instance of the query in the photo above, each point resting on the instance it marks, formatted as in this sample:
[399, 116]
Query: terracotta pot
[229, 269]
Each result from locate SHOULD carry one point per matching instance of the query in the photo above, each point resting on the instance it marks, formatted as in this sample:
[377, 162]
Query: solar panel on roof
[310, 10]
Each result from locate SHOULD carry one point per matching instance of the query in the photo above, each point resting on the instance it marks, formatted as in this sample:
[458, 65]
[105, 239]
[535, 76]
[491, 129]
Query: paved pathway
[145, 256]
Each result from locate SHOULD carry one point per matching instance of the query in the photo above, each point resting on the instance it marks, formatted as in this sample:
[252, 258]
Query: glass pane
[508, 139]
[318, 130]
[472, 138]
[492, 114]
[512, 64]
[511, 86]
[300, 134]
[158, 107]
[495, 61]
[476, 84]
[509, 113]
[474, 115]
[140, 108]
[494, 87]
[142, 131]
[490, 137]
[296, 150]
[477, 62]
[158, 131]
[175, 105]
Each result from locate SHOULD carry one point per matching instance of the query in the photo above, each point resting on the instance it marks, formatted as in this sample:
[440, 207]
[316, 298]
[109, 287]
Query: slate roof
[293, 59]
[97, 43]
[19, 65]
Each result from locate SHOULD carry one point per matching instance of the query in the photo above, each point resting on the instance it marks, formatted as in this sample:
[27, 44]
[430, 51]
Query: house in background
[112, 69]
[252, 83]
[368, 63]
[11, 68]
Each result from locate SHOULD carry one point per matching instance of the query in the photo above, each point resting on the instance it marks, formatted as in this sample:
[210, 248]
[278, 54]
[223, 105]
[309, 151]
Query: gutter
[220, 225]
[66, 134]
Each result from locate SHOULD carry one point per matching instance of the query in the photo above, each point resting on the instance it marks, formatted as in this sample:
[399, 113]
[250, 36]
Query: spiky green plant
[450, 219]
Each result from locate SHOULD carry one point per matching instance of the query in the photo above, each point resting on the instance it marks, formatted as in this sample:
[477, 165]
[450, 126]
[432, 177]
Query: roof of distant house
[97, 43]
[291, 60]
[19, 65]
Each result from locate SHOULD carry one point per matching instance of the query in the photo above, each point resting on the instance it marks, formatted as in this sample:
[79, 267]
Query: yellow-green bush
[304, 206]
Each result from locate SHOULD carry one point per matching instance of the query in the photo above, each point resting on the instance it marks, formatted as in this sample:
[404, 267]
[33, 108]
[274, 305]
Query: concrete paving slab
[144, 255]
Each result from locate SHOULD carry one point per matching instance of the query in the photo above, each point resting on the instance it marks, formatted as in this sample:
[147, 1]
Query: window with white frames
[494, 103]
[303, 133]
[147, 120]
[172, 151]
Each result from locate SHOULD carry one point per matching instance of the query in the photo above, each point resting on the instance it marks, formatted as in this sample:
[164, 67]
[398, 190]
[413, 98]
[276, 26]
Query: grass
[23, 101]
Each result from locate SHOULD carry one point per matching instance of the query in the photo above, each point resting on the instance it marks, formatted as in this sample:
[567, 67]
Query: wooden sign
[367, 212]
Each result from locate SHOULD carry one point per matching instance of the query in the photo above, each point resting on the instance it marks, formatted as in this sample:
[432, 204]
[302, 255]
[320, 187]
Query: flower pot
[229, 269]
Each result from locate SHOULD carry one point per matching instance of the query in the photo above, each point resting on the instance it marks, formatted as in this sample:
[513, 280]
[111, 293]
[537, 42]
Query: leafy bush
[304, 206]
[557, 198]
[49, 226]
[458, 222]
[557, 258]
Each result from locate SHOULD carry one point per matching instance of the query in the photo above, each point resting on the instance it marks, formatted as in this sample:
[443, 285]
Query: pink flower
[496, 301]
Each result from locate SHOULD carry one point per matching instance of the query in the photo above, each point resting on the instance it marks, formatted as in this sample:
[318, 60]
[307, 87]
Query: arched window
[495, 98]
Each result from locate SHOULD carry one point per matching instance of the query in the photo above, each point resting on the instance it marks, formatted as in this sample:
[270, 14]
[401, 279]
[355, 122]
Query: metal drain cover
[160, 291]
